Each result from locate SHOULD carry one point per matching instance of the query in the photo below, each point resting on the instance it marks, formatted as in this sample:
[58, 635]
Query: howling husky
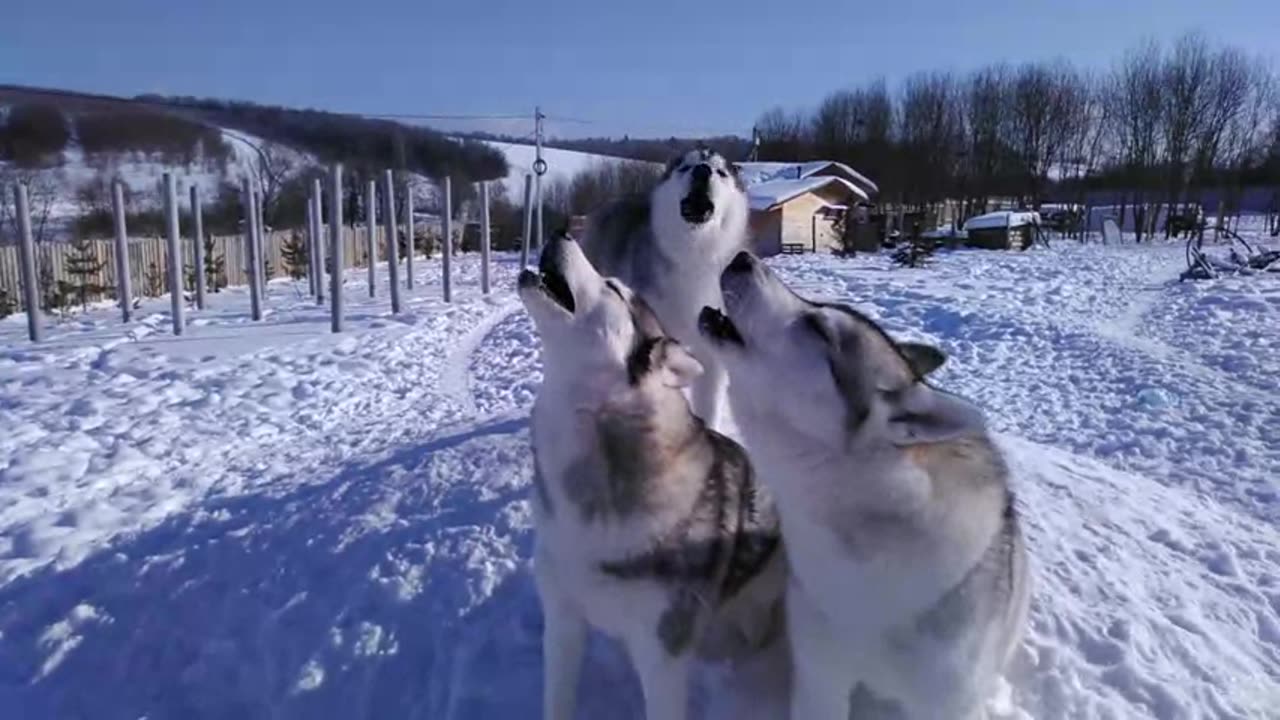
[909, 586]
[649, 526]
[670, 247]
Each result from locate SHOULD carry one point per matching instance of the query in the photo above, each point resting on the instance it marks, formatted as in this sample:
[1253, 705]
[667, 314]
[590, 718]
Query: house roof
[1002, 218]
[761, 172]
[769, 194]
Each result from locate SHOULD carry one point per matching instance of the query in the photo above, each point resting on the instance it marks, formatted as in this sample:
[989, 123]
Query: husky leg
[664, 679]
[564, 637]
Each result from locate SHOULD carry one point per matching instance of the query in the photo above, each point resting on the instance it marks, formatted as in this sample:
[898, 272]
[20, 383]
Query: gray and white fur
[909, 583]
[649, 526]
[670, 246]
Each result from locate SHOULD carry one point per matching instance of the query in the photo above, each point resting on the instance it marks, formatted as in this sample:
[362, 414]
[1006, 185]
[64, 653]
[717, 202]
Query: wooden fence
[148, 258]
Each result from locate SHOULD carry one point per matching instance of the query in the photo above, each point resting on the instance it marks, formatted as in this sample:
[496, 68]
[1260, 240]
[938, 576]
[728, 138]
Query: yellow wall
[798, 223]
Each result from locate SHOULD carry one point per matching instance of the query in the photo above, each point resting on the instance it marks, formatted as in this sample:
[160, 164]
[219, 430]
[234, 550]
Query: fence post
[335, 247]
[537, 191]
[447, 247]
[317, 212]
[255, 265]
[124, 288]
[393, 242]
[197, 218]
[528, 220]
[27, 255]
[371, 223]
[408, 225]
[484, 238]
[309, 232]
[258, 243]
[176, 306]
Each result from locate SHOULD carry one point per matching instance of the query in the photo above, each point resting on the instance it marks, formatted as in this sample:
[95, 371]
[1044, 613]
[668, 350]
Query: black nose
[702, 173]
[742, 262]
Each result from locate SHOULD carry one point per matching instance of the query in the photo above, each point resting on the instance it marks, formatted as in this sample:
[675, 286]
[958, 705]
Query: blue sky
[653, 68]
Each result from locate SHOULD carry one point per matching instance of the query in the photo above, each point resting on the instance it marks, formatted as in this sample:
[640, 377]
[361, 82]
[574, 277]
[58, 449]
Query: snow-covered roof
[760, 172]
[1002, 218]
[766, 195]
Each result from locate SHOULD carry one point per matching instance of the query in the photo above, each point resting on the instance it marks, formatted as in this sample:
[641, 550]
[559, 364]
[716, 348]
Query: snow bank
[1002, 218]
[270, 520]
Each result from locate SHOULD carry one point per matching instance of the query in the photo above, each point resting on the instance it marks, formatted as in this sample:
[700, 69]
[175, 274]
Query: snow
[765, 195]
[1002, 218]
[272, 520]
[759, 172]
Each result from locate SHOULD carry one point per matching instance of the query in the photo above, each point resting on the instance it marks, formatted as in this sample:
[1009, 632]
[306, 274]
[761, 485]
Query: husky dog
[670, 247]
[908, 588]
[648, 525]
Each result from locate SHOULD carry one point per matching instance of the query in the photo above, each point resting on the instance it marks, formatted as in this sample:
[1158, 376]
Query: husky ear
[922, 358]
[675, 365]
[921, 414]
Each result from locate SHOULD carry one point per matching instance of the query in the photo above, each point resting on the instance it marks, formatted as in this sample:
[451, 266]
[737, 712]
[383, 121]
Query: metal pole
[393, 242]
[371, 223]
[27, 253]
[255, 266]
[310, 247]
[176, 306]
[124, 289]
[448, 239]
[318, 213]
[408, 229]
[335, 246]
[197, 216]
[258, 244]
[484, 238]
[528, 220]
[539, 167]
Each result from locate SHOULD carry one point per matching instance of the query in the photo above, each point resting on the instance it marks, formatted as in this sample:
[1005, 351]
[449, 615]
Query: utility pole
[755, 144]
[539, 167]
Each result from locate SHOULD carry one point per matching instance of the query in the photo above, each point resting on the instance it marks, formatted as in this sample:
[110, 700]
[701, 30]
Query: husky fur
[908, 589]
[649, 526]
[670, 246]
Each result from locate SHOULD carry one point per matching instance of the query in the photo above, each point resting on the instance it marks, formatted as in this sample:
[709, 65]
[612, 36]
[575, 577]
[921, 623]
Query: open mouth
[552, 284]
[696, 208]
[717, 326]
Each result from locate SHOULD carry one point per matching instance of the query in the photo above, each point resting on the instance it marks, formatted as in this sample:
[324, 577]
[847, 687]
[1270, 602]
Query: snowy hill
[561, 165]
[267, 520]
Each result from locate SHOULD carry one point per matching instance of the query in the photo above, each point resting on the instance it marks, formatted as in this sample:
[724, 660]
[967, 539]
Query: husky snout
[697, 207]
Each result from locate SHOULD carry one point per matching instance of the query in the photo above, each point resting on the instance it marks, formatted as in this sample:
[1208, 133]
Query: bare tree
[931, 133]
[1135, 96]
[986, 103]
[1044, 98]
[783, 135]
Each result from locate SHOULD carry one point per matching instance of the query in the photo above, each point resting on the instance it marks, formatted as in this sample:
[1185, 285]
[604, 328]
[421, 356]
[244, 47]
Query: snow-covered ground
[268, 520]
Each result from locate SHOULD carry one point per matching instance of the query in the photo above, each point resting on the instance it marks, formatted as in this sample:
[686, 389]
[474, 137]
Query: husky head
[596, 333]
[823, 375]
[700, 192]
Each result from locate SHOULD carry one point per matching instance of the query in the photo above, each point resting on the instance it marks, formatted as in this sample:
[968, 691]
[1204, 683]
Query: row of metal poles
[320, 259]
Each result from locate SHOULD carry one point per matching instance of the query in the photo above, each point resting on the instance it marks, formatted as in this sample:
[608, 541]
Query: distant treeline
[1162, 126]
[39, 124]
[34, 133]
[362, 144]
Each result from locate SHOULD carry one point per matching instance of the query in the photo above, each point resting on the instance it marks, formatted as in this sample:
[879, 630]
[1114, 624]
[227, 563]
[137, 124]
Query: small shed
[1003, 230]
[802, 207]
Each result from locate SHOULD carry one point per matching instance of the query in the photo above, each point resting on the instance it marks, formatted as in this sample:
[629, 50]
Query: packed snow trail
[270, 521]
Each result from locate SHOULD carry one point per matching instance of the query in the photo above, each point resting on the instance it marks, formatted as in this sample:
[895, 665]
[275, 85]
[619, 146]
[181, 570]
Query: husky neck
[869, 509]
[639, 445]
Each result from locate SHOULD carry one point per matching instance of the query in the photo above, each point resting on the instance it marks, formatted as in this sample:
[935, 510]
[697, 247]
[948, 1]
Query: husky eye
[684, 168]
[722, 173]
